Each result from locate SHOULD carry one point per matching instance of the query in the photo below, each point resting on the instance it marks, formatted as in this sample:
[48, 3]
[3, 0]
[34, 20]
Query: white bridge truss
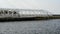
[23, 13]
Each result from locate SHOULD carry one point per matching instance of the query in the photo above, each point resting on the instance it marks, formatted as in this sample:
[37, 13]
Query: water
[31, 27]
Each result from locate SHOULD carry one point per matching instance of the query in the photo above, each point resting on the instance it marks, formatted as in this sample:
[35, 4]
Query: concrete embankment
[55, 17]
[31, 18]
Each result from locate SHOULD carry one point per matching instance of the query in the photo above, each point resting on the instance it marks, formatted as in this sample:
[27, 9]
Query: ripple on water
[31, 27]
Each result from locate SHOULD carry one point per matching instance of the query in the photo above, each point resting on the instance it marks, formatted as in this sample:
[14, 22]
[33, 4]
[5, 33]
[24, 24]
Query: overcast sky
[50, 5]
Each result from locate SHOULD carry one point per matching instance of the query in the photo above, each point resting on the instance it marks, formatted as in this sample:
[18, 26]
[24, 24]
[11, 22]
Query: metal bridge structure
[23, 13]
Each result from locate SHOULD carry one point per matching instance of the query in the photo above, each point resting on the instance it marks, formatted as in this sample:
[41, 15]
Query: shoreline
[30, 19]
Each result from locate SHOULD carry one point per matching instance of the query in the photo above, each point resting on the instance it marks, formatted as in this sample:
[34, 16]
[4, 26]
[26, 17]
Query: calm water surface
[31, 27]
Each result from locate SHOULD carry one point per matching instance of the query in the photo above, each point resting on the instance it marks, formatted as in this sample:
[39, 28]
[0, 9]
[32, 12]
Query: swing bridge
[23, 13]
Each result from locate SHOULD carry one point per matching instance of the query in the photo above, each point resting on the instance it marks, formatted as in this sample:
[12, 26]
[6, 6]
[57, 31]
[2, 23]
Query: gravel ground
[31, 27]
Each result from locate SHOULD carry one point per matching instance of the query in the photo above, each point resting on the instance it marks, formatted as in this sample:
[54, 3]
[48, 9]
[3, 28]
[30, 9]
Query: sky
[50, 5]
